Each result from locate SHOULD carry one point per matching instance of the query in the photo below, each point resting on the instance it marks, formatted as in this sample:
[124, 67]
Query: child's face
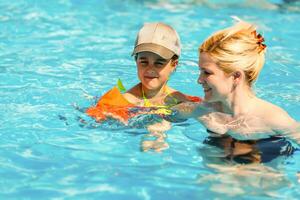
[153, 70]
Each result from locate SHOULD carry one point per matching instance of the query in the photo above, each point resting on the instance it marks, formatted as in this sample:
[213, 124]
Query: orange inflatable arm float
[113, 104]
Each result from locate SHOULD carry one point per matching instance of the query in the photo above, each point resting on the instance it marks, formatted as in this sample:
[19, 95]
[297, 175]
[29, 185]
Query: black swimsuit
[266, 149]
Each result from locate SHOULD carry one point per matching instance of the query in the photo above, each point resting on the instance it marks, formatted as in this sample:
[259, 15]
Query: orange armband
[111, 104]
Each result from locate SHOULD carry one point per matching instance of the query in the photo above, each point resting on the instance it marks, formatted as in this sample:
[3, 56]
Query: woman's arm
[282, 123]
[292, 133]
[188, 110]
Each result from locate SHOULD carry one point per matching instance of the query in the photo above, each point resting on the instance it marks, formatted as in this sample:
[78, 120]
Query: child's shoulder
[133, 95]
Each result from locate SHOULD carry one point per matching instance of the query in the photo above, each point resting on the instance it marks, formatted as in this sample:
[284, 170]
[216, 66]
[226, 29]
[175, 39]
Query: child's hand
[159, 127]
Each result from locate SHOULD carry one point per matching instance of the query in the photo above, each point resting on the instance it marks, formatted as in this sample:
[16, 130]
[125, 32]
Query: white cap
[158, 38]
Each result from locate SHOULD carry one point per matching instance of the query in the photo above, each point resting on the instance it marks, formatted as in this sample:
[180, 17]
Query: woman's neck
[240, 102]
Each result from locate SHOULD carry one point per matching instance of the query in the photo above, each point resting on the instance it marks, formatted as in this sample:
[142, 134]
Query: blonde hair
[237, 48]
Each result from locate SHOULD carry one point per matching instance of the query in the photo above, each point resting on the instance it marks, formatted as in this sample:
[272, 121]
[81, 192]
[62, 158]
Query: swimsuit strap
[175, 101]
[147, 103]
[162, 109]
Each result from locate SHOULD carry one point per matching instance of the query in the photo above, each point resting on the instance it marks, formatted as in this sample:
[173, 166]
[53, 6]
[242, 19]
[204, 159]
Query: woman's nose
[200, 79]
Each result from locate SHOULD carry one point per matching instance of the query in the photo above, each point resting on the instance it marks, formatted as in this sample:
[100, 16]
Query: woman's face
[153, 70]
[216, 84]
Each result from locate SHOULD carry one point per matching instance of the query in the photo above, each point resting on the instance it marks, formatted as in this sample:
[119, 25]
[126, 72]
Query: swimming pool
[56, 54]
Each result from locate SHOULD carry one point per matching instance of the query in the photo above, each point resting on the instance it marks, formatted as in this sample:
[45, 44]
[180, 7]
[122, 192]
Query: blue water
[55, 55]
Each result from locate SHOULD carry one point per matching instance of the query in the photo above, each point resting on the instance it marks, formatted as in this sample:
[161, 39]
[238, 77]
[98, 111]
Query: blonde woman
[230, 61]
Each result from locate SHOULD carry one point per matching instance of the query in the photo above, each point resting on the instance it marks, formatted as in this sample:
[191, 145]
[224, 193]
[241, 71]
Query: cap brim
[154, 48]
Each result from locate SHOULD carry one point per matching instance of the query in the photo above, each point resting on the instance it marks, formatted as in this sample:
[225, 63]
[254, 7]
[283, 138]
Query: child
[156, 52]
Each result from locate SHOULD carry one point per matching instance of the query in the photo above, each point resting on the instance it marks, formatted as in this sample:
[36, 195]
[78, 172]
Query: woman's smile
[207, 89]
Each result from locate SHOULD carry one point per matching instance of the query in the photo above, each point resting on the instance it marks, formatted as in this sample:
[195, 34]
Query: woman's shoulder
[274, 115]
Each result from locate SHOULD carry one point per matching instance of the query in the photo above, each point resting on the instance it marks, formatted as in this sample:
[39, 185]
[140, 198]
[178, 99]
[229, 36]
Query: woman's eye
[205, 72]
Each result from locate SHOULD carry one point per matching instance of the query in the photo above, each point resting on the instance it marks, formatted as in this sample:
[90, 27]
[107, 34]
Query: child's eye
[143, 62]
[159, 64]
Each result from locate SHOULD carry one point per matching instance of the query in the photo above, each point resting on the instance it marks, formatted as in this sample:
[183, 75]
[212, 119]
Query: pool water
[55, 56]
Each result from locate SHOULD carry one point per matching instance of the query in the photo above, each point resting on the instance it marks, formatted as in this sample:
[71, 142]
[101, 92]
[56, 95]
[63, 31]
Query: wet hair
[175, 57]
[237, 48]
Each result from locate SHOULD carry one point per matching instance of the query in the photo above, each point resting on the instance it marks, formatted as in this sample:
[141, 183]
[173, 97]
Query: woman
[230, 61]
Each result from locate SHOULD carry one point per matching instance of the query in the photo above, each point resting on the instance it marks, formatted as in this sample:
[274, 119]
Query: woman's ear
[238, 76]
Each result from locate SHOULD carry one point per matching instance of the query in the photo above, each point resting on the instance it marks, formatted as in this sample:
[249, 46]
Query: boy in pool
[156, 52]
[230, 61]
